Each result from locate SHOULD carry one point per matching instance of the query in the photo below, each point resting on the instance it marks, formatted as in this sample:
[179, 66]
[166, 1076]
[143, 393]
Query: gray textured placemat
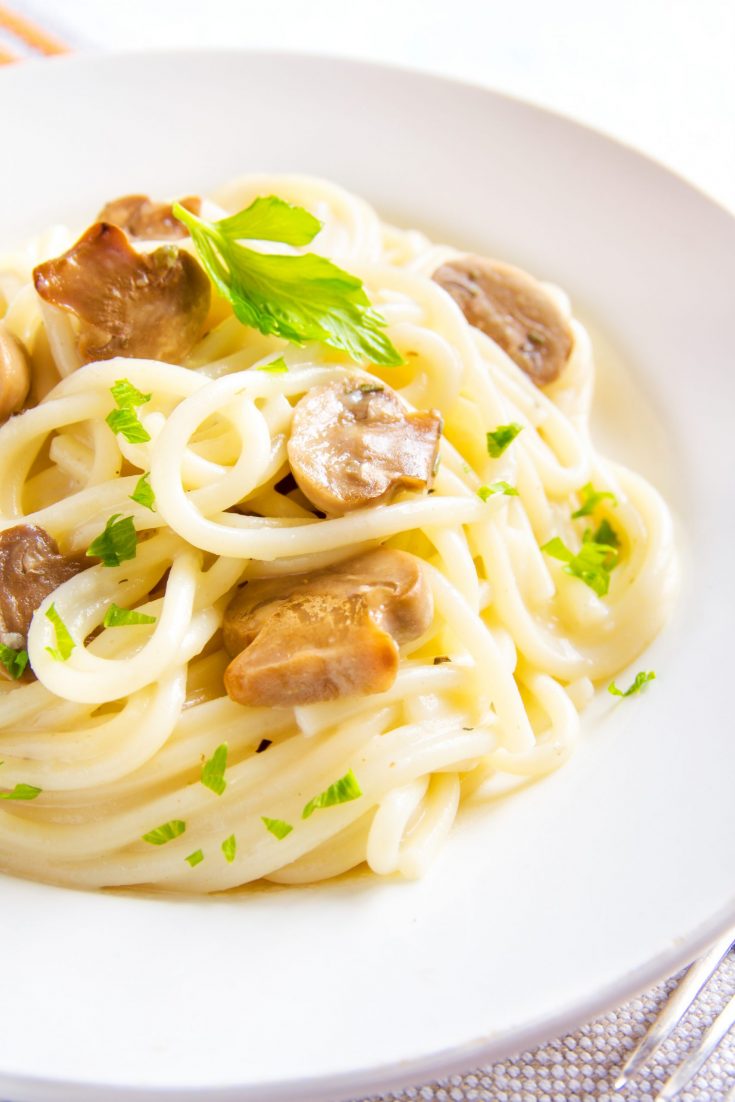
[582, 1066]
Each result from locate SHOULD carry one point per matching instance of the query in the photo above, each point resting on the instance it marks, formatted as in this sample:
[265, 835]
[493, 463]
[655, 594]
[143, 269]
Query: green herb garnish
[117, 617]
[502, 436]
[605, 534]
[229, 848]
[195, 858]
[213, 770]
[278, 827]
[64, 642]
[118, 542]
[298, 298]
[641, 679]
[341, 792]
[15, 661]
[126, 422]
[165, 833]
[591, 498]
[143, 493]
[127, 396]
[494, 488]
[21, 792]
[592, 563]
[276, 367]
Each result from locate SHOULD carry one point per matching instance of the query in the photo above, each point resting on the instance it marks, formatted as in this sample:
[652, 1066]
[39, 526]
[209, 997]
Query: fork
[675, 1009]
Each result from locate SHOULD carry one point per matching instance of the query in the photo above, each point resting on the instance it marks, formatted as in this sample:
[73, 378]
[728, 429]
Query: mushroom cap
[320, 636]
[354, 444]
[149, 305]
[31, 567]
[514, 310]
[15, 374]
[144, 220]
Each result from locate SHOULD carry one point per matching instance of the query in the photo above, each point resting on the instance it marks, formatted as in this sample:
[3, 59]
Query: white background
[657, 74]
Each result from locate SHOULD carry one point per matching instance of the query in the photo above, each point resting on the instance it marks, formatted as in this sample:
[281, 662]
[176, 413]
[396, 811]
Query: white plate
[546, 909]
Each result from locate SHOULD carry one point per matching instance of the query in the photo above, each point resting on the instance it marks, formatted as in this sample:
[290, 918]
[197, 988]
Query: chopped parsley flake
[127, 423]
[117, 617]
[143, 493]
[605, 534]
[14, 661]
[165, 833]
[195, 858]
[501, 438]
[118, 542]
[591, 498]
[127, 396]
[278, 828]
[277, 367]
[592, 563]
[229, 848]
[64, 642]
[641, 679]
[494, 488]
[341, 792]
[21, 792]
[213, 770]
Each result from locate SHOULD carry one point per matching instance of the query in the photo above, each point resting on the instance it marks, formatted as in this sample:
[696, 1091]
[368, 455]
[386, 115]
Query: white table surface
[656, 74]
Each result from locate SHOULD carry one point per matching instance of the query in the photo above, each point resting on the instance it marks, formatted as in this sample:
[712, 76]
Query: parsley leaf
[21, 792]
[501, 437]
[125, 421]
[341, 792]
[641, 679]
[605, 534]
[278, 827]
[126, 395]
[275, 367]
[269, 218]
[117, 617]
[299, 298]
[143, 493]
[64, 642]
[165, 833]
[213, 770]
[229, 848]
[592, 563]
[497, 488]
[195, 858]
[118, 542]
[591, 498]
[15, 661]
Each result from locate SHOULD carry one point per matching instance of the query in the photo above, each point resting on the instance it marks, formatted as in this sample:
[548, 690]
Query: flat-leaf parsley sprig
[300, 298]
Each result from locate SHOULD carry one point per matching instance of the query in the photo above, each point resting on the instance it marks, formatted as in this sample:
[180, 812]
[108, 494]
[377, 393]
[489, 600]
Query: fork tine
[720, 1026]
[677, 1006]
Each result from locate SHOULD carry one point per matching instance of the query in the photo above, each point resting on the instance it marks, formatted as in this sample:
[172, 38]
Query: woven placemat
[582, 1066]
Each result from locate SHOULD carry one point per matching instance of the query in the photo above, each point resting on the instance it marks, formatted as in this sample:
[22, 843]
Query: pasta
[116, 733]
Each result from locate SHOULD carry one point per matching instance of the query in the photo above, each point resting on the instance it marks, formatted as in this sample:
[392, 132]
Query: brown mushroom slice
[15, 374]
[321, 636]
[144, 220]
[31, 567]
[150, 305]
[514, 310]
[354, 444]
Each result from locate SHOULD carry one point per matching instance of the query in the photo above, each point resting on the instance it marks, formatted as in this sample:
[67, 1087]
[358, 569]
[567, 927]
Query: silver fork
[678, 1004]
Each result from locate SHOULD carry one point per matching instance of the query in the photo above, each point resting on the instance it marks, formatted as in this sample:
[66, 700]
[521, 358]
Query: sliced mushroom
[354, 444]
[514, 310]
[144, 220]
[31, 567]
[15, 374]
[152, 305]
[320, 636]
